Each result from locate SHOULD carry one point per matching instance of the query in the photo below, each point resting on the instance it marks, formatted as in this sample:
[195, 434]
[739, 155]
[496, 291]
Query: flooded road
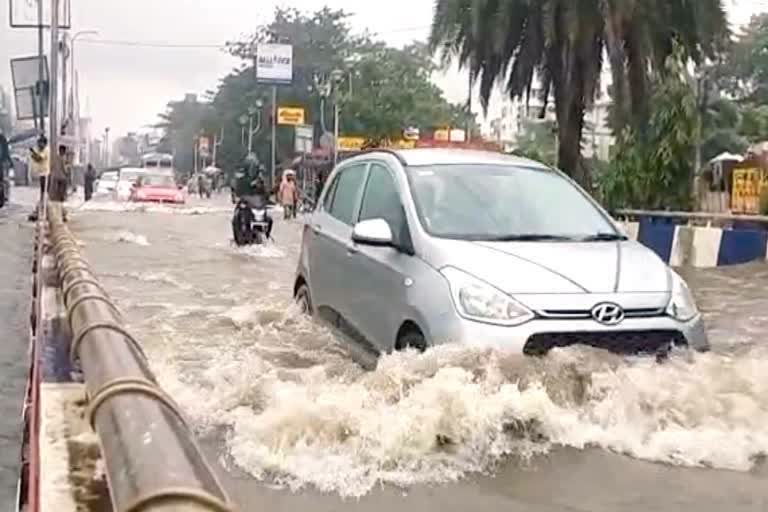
[15, 297]
[296, 422]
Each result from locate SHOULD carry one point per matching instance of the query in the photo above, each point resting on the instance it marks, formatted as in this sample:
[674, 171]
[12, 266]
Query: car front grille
[620, 342]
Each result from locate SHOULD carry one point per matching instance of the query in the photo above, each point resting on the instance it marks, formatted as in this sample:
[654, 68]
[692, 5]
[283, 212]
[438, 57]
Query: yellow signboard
[351, 143]
[290, 115]
[747, 185]
[358, 143]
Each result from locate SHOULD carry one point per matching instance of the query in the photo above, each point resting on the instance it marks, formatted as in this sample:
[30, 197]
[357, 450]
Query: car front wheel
[303, 300]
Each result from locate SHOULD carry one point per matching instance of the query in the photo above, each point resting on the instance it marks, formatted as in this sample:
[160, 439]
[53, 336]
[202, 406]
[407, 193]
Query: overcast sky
[126, 86]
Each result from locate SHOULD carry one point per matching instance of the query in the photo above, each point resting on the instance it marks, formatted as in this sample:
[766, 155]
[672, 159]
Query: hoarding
[290, 116]
[274, 63]
[27, 88]
[304, 136]
[24, 13]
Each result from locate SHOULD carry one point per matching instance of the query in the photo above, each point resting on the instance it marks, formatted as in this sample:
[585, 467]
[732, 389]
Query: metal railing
[722, 218]
[152, 459]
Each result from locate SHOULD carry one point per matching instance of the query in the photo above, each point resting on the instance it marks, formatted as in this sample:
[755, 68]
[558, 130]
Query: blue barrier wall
[657, 236]
[679, 244]
[741, 247]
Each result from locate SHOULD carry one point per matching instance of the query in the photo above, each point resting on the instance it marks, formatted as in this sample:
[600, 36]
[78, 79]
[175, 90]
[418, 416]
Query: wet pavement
[296, 422]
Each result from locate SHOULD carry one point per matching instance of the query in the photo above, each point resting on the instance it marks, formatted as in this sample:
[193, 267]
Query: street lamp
[337, 76]
[253, 110]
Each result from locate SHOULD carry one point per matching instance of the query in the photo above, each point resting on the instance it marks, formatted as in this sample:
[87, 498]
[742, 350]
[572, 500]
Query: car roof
[450, 156]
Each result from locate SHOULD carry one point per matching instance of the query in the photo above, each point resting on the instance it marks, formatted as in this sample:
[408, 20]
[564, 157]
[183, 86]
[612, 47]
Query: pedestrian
[88, 180]
[5, 163]
[289, 194]
[59, 176]
[201, 185]
[40, 164]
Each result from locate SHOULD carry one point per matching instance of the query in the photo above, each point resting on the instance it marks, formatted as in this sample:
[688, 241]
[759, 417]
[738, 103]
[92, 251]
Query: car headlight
[479, 301]
[682, 305]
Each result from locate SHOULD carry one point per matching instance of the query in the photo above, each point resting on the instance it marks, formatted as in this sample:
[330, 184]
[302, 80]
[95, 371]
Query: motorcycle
[249, 225]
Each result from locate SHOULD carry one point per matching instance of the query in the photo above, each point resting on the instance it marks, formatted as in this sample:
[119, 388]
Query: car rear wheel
[303, 300]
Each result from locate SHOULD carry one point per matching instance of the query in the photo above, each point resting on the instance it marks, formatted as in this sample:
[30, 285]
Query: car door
[331, 231]
[379, 291]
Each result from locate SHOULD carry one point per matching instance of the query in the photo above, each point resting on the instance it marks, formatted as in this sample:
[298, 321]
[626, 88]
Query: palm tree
[562, 42]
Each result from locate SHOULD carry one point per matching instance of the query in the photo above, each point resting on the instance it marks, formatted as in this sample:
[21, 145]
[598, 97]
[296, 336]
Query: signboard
[747, 185]
[203, 145]
[290, 116]
[351, 143]
[27, 88]
[360, 143]
[24, 14]
[274, 63]
[304, 136]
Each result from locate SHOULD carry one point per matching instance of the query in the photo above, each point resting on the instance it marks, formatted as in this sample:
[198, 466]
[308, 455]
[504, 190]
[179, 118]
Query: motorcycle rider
[250, 188]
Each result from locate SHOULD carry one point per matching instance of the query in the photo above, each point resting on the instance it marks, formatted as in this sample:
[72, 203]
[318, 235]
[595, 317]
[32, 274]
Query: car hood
[557, 267]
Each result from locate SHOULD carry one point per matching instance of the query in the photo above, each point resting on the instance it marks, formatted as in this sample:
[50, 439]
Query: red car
[157, 189]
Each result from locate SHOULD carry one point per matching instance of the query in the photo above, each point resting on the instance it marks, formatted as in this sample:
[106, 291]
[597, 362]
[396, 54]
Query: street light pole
[274, 134]
[53, 95]
[41, 68]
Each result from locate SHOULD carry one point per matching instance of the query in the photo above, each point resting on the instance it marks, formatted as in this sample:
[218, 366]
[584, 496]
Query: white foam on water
[126, 206]
[129, 237]
[260, 251]
[299, 412]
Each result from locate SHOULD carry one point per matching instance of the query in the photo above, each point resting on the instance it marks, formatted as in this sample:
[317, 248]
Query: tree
[183, 122]
[390, 88]
[655, 172]
[562, 43]
[746, 71]
[539, 141]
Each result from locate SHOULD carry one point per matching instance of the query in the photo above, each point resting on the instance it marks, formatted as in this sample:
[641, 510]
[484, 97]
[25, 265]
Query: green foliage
[562, 42]
[656, 171]
[538, 142]
[384, 89]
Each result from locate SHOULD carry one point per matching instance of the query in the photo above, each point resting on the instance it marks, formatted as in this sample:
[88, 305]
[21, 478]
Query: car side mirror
[373, 232]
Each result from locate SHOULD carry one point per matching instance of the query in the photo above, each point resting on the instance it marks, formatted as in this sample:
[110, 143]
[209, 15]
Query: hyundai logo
[607, 313]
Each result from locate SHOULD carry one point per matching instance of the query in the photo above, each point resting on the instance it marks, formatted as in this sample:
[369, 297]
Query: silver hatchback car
[419, 247]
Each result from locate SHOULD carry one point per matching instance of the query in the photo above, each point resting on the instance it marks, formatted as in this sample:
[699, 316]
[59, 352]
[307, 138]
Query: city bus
[158, 163]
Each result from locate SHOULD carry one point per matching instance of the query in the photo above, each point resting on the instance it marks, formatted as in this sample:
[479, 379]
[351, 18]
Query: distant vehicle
[158, 163]
[106, 184]
[126, 180]
[412, 248]
[157, 188]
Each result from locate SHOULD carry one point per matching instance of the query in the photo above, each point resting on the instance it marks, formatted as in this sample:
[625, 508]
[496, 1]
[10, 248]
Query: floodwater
[295, 421]
[15, 298]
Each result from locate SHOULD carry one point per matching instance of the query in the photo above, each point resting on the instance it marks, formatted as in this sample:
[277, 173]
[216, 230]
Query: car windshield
[156, 180]
[129, 176]
[108, 176]
[504, 203]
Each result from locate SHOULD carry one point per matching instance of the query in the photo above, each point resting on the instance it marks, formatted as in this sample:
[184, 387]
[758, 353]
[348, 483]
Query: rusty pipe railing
[153, 461]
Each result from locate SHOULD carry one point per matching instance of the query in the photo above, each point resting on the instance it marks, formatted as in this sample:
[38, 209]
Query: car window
[381, 199]
[328, 200]
[346, 193]
[499, 202]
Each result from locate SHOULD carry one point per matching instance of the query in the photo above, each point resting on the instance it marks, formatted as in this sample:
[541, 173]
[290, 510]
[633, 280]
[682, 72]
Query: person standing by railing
[40, 163]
